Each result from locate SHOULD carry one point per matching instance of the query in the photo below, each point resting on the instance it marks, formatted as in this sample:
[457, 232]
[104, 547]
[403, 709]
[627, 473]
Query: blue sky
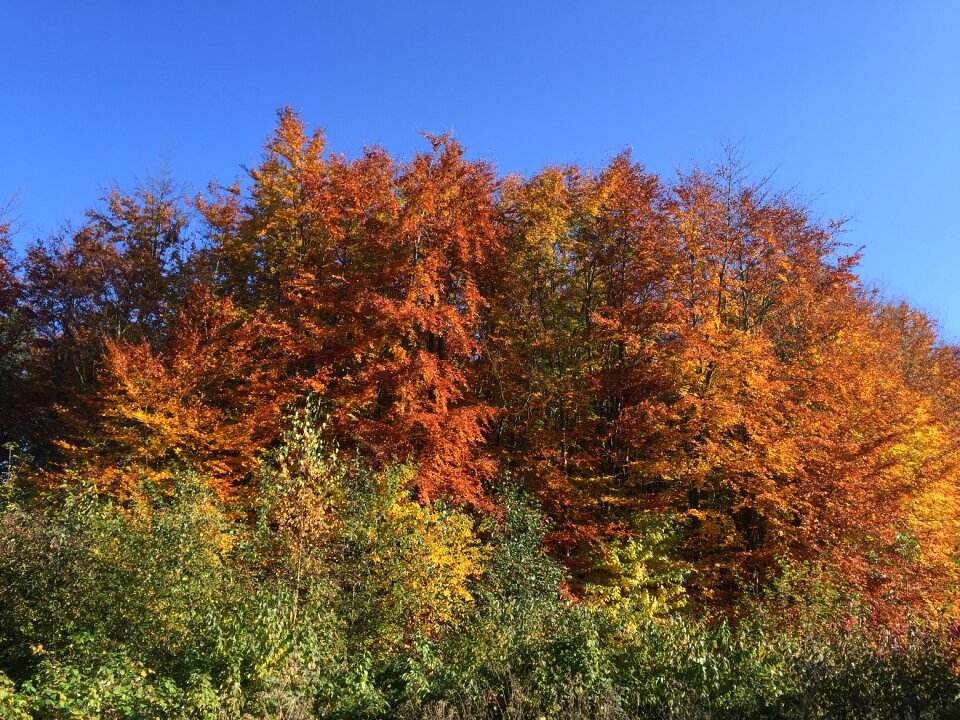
[856, 105]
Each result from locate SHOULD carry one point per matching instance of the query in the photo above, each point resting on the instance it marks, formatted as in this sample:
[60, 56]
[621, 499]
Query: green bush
[346, 598]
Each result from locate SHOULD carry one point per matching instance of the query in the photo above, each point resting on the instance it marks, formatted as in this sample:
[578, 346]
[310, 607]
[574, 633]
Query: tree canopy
[622, 345]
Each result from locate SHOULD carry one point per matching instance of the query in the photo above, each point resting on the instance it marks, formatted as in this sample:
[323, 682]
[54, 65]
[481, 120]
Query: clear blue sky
[856, 104]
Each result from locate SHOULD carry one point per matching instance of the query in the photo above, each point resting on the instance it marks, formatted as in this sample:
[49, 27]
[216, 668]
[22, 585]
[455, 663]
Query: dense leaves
[369, 605]
[626, 347]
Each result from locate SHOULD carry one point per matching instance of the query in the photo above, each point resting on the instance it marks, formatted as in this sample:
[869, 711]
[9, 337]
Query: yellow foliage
[432, 552]
[638, 583]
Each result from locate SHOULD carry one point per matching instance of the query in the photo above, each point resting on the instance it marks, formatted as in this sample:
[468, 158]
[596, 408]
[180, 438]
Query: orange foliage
[618, 342]
[372, 272]
[208, 403]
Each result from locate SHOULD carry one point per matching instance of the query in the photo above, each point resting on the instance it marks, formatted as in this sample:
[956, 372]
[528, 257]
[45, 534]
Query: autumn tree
[208, 401]
[149, 229]
[372, 271]
[579, 342]
[118, 277]
[14, 331]
[626, 347]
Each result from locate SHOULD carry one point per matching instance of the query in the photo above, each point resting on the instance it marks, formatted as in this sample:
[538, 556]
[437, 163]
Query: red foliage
[619, 343]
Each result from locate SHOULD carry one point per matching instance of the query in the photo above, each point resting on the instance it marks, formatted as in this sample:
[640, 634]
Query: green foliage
[639, 577]
[347, 598]
[405, 566]
[525, 648]
[13, 705]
